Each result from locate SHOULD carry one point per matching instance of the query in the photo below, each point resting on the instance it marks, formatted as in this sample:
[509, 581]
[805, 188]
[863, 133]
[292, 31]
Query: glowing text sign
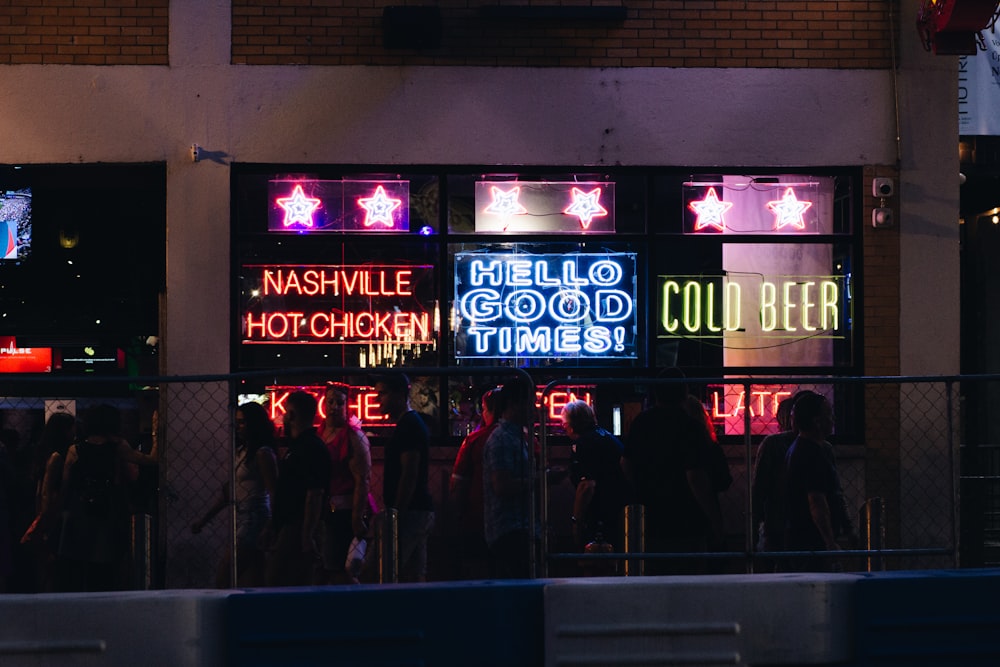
[729, 404]
[337, 304]
[15, 359]
[572, 305]
[362, 404]
[738, 305]
[556, 400]
[545, 206]
[315, 206]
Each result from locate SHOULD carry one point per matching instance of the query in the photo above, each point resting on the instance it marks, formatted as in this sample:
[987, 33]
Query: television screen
[15, 223]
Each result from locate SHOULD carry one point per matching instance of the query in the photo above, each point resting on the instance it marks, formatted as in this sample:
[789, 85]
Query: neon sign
[711, 211]
[789, 211]
[338, 304]
[555, 401]
[736, 204]
[586, 206]
[322, 206]
[298, 208]
[735, 305]
[529, 306]
[362, 404]
[379, 208]
[730, 403]
[545, 206]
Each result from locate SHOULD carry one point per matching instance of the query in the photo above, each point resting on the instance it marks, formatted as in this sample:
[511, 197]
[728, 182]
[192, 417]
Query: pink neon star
[379, 207]
[586, 206]
[298, 208]
[711, 211]
[789, 211]
[505, 204]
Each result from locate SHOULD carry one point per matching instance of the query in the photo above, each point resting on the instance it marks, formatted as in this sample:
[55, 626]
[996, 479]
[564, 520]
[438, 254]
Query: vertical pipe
[953, 451]
[749, 528]
[388, 571]
[634, 540]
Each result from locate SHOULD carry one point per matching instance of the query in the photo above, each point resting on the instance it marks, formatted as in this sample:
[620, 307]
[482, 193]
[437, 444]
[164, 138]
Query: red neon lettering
[339, 282]
[278, 404]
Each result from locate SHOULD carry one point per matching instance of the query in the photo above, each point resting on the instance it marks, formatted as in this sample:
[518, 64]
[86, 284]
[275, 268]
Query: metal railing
[897, 442]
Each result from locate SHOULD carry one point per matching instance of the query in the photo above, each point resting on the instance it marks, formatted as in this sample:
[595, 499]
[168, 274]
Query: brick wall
[562, 33]
[653, 33]
[881, 276]
[83, 32]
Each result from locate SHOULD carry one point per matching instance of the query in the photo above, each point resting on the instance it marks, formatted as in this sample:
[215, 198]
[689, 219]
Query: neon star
[505, 204]
[789, 211]
[711, 211]
[586, 206]
[379, 207]
[298, 208]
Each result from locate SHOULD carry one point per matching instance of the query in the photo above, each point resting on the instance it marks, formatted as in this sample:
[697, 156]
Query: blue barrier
[933, 618]
[491, 623]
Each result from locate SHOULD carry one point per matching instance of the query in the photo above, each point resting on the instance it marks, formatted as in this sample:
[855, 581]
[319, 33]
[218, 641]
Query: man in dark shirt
[811, 482]
[667, 460]
[602, 491]
[303, 476]
[405, 484]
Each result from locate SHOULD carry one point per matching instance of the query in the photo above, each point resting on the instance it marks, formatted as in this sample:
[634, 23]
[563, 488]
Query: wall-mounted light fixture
[882, 216]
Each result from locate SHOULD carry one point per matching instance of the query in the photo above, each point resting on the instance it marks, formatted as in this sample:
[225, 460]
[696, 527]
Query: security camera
[881, 217]
[882, 187]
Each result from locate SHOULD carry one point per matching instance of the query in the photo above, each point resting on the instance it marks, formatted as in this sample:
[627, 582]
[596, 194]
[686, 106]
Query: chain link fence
[896, 442]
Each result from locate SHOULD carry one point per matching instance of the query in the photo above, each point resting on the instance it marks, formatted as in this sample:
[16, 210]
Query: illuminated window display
[558, 271]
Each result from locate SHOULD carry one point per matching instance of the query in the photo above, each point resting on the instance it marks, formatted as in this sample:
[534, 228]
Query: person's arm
[51, 501]
[267, 463]
[71, 459]
[310, 520]
[819, 510]
[361, 467]
[581, 503]
[129, 455]
[220, 504]
[410, 463]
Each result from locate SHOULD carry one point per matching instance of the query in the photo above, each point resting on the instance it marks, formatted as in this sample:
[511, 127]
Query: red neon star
[586, 206]
[789, 211]
[379, 207]
[505, 204]
[711, 211]
[298, 208]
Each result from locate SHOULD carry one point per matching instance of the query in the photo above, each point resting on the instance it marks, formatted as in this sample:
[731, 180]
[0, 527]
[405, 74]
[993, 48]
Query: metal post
[142, 551]
[872, 529]
[634, 538]
[388, 571]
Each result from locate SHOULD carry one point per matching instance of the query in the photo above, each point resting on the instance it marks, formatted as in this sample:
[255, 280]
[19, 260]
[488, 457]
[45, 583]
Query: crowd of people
[65, 513]
[305, 512]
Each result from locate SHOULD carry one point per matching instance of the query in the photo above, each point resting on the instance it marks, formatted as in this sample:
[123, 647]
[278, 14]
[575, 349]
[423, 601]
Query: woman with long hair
[48, 458]
[256, 473]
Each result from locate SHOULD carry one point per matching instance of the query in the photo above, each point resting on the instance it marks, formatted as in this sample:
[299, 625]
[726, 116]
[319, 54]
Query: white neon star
[789, 211]
[505, 204]
[586, 206]
[298, 208]
[711, 211]
[379, 207]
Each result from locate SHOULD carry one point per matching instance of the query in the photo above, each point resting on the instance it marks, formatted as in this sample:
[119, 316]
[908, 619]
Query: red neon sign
[379, 208]
[711, 211]
[338, 304]
[730, 402]
[789, 211]
[298, 208]
[363, 404]
[586, 206]
[557, 400]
